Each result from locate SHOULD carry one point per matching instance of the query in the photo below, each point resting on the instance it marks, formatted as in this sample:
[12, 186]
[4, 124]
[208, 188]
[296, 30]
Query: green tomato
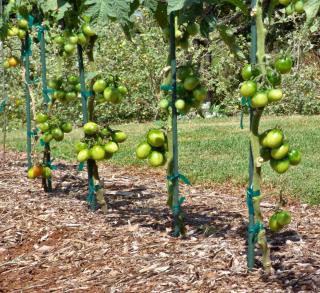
[41, 118]
[97, 153]
[285, 2]
[294, 157]
[259, 100]
[44, 127]
[273, 224]
[73, 79]
[31, 174]
[73, 40]
[156, 159]
[105, 132]
[57, 134]
[200, 94]
[164, 104]
[99, 86]
[280, 166]
[79, 146]
[22, 34]
[69, 48]
[283, 218]
[83, 155]
[13, 31]
[180, 105]
[275, 95]
[274, 138]
[289, 10]
[53, 84]
[123, 90]
[248, 89]
[143, 150]
[82, 39]
[246, 72]
[284, 64]
[47, 137]
[156, 138]
[112, 94]
[280, 152]
[46, 173]
[299, 7]
[119, 136]
[111, 147]
[71, 96]
[66, 127]
[190, 83]
[91, 128]
[59, 40]
[87, 30]
[23, 24]
[274, 77]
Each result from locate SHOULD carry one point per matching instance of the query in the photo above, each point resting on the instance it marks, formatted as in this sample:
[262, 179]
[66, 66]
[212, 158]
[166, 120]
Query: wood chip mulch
[54, 243]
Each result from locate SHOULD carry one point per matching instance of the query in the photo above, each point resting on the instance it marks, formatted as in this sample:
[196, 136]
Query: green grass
[216, 152]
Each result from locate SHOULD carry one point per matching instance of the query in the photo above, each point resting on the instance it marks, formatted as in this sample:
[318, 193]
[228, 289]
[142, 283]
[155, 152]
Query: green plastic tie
[81, 166]
[183, 178]
[87, 94]
[250, 195]
[245, 102]
[3, 104]
[176, 209]
[52, 167]
[255, 229]
[42, 143]
[91, 198]
[41, 29]
[166, 87]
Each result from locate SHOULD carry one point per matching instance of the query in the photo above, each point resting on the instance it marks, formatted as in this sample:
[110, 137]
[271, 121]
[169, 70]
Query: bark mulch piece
[54, 243]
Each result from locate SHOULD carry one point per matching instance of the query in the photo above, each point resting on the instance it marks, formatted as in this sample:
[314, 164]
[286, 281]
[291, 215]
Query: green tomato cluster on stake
[268, 90]
[69, 40]
[183, 33]
[275, 148]
[64, 88]
[190, 92]
[293, 6]
[52, 127]
[109, 90]
[100, 143]
[279, 220]
[154, 148]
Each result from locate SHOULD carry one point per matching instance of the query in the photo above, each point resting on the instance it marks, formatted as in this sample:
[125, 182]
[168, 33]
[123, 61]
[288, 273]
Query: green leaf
[311, 7]
[241, 4]
[102, 10]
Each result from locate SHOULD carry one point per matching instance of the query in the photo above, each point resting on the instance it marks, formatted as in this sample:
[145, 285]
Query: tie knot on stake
[250, 195]
[176, 209]
[3, 104]
[183, 178]
[245, 102]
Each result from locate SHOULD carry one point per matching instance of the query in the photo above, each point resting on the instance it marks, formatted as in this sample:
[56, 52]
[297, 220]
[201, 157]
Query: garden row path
[53, 243]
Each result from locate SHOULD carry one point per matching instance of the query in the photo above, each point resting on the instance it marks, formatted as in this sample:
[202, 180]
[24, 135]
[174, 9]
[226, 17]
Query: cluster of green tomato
[278, 220]
[182, 34]
[109, 90]
[293, 6]
[65, 89]
[68, 40]
[52, 127]
[19, 29]
[262, 97]
[190, 93]
[99, 143]
[154, 148]
[16, 30]
[276, 149]
[39, 171]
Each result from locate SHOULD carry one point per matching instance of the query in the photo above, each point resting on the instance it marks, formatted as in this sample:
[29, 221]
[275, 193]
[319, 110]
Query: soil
[54, 243]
